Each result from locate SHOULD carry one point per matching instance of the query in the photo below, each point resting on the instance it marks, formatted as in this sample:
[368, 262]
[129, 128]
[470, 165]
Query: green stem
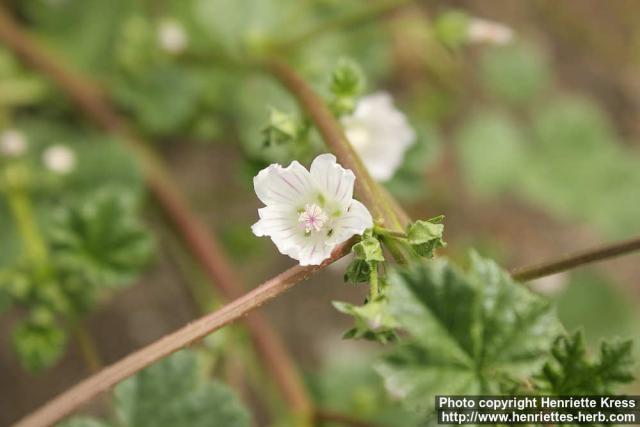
[374, 287]
[372, 11]
[20, 206]
[333, 135]
[87, 347]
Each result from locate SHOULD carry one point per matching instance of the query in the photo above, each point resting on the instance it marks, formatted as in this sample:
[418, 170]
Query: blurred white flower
[380, 134]
[13, 143]
[309, 213]
[172, 36]
[490, 32]
[59, 159]
[550, 285]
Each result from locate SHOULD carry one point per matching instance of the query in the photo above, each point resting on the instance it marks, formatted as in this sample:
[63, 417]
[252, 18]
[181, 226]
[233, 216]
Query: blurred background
[527, 143]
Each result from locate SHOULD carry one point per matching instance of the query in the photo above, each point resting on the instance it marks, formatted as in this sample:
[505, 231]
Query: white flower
[550, 285]
[172, 37]
[12, 143]
[380, 134]
[59, 159]
[485, 31]
[309, 213]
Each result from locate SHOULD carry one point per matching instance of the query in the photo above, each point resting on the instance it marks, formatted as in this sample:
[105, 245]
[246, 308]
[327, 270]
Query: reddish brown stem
[334, 137]
[576, 259]
[69, 401]
[90, 100]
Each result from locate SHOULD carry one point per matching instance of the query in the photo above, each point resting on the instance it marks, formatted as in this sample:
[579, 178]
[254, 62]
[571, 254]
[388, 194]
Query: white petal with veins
[309, 213]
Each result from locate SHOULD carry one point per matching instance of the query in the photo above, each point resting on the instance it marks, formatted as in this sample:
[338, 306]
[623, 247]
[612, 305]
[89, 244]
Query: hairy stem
[576, 259]
[90, 100]
[334, 137]
[67, 402]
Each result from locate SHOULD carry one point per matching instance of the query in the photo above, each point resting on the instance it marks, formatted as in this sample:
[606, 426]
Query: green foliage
[366, 254]
[347, 83]
[83, 422]
[84, 31]
[173, 393]
[284, 128]
[70, 237]
[516, 74]
[164, 100]
[38, 341]
[101, 240]
[409, 183]
[372, 320]
[347, 384]
[537, 161]
[469, 333]
[426, 236]
[598, 185]
[492, 148]
[451, 28]
[571, 372]
[589, 292]
[18, 88]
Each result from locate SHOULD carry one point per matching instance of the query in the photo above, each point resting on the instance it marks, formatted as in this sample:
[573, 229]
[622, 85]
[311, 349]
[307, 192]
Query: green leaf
[163, 99]
[570, 371]
[451, 28]
[171, 393]
[38, 341]
[492, 151]
[426, 236]
[469, 332]
[515, 73]
[83, 30]
[372, 320]
[101, 239]
[348, 384]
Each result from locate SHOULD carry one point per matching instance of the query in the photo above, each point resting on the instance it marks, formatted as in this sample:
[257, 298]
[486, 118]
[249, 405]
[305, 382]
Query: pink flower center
[312, 218]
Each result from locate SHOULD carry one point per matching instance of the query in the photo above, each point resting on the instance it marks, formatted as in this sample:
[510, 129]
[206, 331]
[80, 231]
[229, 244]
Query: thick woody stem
[90, 100]
[69, 401]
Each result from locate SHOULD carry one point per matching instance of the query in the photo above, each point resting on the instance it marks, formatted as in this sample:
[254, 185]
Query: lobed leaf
[469, 332]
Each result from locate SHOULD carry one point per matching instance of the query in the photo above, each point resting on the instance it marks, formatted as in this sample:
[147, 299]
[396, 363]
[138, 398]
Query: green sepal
[367, 252]
[426, 236]
[358, 271]
[284, 128]
[373, 321]
[347, 83]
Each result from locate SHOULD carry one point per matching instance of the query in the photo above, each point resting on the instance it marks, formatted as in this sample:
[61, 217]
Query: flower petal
[314, 250]
[388, 132]
[355, 221]
[334, 181]
[277, 185]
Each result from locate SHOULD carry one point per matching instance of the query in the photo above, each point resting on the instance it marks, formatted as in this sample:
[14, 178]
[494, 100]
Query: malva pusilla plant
[326, 202]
